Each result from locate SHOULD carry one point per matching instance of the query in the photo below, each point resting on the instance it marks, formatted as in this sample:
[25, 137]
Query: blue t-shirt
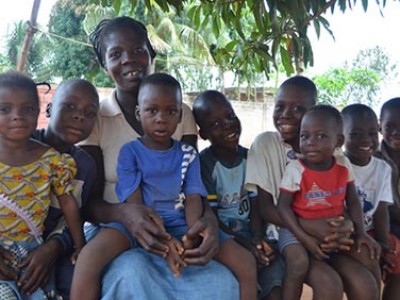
[225, 187]
[163, 176]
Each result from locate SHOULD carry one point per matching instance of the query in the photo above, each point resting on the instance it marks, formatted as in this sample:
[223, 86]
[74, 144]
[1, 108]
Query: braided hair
[108, 26]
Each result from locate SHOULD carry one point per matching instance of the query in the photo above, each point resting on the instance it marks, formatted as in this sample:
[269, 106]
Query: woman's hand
[206, 228]
[6, 271]
[146, 226]
[38, 266]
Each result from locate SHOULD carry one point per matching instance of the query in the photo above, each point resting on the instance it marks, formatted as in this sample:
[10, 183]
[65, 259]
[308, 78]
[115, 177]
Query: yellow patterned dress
[25, 198]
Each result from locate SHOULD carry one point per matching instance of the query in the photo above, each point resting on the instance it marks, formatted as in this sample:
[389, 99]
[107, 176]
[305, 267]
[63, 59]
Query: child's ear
[339, 140]
[202, 134]
[137, 113]
[48, 110]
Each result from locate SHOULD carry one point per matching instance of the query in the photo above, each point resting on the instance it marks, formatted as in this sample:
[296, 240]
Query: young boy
[267, 159]
[317, 185]
[223, 168]
[72, 114]
[389, 151]
[164, 174]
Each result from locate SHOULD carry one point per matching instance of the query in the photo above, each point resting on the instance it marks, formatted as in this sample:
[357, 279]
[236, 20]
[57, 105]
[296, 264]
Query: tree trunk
[30, 31]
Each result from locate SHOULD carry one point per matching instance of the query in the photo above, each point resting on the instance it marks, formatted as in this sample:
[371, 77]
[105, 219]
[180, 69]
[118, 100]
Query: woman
[124, 51]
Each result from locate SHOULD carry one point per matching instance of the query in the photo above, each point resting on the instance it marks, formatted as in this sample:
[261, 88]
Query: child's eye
[215, 124]
[173, 112]
[321, 136]
[138, 51]
[90, 114]
[5, 109]
[303, 137]
[30, 109]
[69, 106]
[232, 116]
[298, 108]
[278, 107]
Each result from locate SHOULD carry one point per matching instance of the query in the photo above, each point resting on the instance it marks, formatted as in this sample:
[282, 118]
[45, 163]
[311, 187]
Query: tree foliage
[73, 57]
[358, 81]
[259, 31]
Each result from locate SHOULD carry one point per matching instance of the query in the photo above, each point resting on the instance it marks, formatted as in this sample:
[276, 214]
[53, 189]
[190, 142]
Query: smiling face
[19, 112]
[390, 127]
[72, 113]
[318, 140]
[361, 138]
[126, 58]
[290, 106]
[220, 125]
[159, 112]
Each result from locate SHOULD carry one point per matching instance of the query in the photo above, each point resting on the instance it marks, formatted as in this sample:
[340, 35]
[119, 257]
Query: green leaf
[286, 61]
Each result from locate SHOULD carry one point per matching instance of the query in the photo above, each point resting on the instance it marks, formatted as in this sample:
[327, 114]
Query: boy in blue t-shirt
[223, 169]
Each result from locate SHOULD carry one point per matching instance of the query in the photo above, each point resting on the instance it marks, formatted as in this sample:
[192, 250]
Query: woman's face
[126, 58]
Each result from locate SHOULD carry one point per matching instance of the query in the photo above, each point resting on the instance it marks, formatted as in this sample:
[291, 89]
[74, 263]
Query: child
[318, 185]
[164, 174]
[223, 167]
[30, 172]
[72, 114]
[389, 150]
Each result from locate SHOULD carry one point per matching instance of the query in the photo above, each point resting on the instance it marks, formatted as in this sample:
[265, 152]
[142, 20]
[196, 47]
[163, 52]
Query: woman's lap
[137, 274]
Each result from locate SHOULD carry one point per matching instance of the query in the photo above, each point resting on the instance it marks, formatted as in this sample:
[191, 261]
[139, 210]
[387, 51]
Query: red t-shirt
[317, 194]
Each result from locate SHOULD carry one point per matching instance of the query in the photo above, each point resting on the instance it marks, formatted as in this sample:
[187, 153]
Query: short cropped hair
[328, 113]
[303, 83]
[358, 110]
[390, 104]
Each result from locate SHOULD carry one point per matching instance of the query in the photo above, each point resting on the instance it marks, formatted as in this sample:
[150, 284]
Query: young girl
[164, 174]
[318, 185]
[30, 173]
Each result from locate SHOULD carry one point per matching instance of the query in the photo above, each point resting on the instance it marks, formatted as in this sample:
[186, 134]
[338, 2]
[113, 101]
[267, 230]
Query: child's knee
[297, 262]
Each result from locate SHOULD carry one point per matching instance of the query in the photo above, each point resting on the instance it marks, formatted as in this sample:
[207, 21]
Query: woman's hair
[14, 79]
[107, 26]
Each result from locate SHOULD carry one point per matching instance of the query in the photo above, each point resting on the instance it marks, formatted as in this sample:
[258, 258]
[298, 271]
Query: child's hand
[74, 256]
[174, 256]
[263, 253]
[6, 271]
[191, 242]
[388, 256]
[373, 247]
[312, 245]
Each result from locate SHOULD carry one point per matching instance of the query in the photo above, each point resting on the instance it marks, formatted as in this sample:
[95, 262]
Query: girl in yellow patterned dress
[29, 173]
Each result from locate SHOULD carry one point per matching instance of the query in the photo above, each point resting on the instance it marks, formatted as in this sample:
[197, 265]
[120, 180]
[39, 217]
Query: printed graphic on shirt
[367, 197]
[317, 196]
